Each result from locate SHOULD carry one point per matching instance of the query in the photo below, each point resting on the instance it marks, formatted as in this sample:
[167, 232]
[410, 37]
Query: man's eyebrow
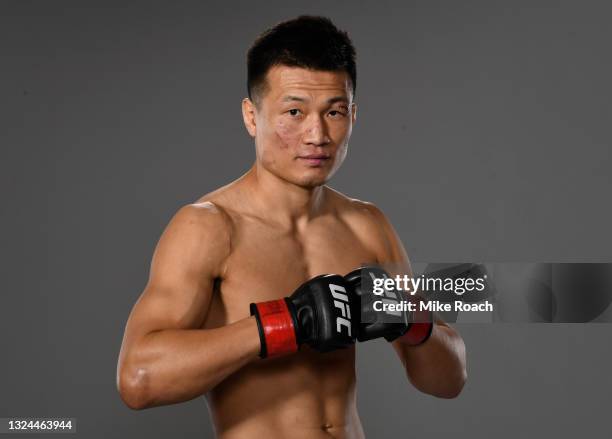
[293, 98]
[330, 101]
[335, 99]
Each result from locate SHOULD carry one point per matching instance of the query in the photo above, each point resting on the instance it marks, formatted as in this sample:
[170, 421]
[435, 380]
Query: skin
[258, 239]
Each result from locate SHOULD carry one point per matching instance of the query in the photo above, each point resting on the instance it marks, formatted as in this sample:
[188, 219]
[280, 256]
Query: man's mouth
[314, 159]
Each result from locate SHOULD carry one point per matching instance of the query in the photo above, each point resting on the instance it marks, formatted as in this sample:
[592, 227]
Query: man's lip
[314, 157]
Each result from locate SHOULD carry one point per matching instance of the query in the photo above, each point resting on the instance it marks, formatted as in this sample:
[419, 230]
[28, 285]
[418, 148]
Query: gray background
[483, 133]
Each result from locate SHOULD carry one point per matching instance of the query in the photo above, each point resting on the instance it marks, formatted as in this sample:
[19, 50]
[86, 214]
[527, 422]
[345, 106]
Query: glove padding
[319, 313]
[414, 328]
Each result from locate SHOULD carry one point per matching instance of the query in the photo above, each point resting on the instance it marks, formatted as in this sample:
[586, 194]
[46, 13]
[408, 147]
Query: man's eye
[336, 113]
[294, 112]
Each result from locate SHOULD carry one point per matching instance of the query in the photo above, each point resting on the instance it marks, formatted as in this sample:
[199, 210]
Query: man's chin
[307, 179]
[313, 184]
[312, 181]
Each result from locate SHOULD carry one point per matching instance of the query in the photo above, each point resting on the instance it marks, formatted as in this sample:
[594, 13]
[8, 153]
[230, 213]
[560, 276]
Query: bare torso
[255, 240]
[307, 394]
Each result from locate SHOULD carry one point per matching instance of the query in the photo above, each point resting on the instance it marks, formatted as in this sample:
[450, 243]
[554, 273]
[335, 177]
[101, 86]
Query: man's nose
[316, 132]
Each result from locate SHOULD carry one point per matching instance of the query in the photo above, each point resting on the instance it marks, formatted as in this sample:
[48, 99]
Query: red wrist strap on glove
[276, 328]
[421, 325]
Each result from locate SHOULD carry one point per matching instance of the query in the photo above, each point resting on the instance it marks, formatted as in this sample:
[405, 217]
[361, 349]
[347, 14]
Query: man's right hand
[320, 313]
[409, 327]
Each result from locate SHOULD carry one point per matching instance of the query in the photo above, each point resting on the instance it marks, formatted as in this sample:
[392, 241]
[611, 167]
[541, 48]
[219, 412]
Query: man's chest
[266, 263]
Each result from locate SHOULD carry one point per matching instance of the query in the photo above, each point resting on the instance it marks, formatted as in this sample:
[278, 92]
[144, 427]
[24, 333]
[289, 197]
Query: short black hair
[310, 42]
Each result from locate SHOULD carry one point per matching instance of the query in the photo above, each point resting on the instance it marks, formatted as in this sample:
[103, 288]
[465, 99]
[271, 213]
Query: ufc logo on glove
[341, 302]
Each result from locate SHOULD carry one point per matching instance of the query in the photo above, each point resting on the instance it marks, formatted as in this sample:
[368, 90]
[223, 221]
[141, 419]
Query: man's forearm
[437, 367]
[171, 366]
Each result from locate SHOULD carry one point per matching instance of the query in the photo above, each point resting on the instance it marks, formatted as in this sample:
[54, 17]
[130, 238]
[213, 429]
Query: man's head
[300, 110]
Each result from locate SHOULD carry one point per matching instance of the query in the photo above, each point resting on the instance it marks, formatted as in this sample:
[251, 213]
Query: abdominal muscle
[304, 395]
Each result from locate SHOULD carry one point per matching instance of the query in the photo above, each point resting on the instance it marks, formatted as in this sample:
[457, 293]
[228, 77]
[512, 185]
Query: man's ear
[248, 115]
[354, 112]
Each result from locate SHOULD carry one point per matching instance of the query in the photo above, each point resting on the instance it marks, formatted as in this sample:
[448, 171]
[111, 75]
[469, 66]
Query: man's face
[302, 124]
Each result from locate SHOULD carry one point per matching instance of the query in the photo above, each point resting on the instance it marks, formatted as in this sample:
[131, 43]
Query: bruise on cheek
[287, 134]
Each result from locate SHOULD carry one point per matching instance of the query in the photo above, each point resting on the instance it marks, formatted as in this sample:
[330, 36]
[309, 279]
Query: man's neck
[282, 201]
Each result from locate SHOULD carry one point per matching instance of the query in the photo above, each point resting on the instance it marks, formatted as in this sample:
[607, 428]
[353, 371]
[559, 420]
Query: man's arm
[438, 366]
[164, 357]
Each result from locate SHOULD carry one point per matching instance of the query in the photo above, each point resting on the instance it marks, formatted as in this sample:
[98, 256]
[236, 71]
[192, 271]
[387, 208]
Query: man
[255, 241]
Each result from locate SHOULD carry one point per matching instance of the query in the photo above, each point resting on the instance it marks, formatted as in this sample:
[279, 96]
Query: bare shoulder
[367, 221]
[357, 212]
[206, 217]
[198, 237]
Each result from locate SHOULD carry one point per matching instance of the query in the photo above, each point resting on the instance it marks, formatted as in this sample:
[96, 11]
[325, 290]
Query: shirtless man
[258, 239]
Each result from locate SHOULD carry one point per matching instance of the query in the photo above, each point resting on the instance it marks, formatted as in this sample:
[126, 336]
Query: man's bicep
[188, 258]
[398, 258]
